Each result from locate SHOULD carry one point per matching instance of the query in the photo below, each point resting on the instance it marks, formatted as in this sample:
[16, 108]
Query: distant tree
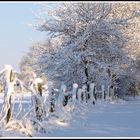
[37, 60]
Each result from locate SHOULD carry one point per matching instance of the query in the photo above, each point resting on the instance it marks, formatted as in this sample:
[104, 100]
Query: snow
[75, 86]
[88, 42]
[8, 67]
[104, 119]
[38, 80]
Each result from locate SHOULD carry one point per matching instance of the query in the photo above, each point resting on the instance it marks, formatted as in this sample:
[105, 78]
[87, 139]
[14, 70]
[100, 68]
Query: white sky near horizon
[15, 34]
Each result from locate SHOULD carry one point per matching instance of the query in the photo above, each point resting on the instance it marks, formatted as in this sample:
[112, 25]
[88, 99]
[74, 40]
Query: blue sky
[15, 34]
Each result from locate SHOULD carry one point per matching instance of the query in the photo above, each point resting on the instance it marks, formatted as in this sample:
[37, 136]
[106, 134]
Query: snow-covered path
[105, 119]
[120, 119]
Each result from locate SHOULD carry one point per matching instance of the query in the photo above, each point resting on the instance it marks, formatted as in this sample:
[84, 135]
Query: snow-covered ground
[120, 119]
[105, 119]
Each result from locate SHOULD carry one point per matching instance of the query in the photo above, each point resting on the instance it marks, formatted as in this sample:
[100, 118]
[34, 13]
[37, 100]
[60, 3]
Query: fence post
[92, 92]
[74, 93]
[52, 101]
[39, 109]
[108, 92]
[103, 92]
[60, 100]
[96, 93]
[111, 92]
[79, 93]
[8, 90]
[84, 93]
[64, 95]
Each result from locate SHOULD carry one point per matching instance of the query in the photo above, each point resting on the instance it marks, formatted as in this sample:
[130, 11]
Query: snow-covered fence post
[61, 100]
[87, 91]
[92, 93]
[64, 94]
[52, 100]
[8, 91]
[9, 84]
[108, 92]
[96, 93]
[74, 93]
[49, 97]
[112, 92]
[80, 94]
[103, 92]
[39, 107]
[84, 95]
[37, 98]
[117, 92]
[8, 116]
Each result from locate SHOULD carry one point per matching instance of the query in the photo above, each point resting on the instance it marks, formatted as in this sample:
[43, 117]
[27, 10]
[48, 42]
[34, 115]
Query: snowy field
[105, 119]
